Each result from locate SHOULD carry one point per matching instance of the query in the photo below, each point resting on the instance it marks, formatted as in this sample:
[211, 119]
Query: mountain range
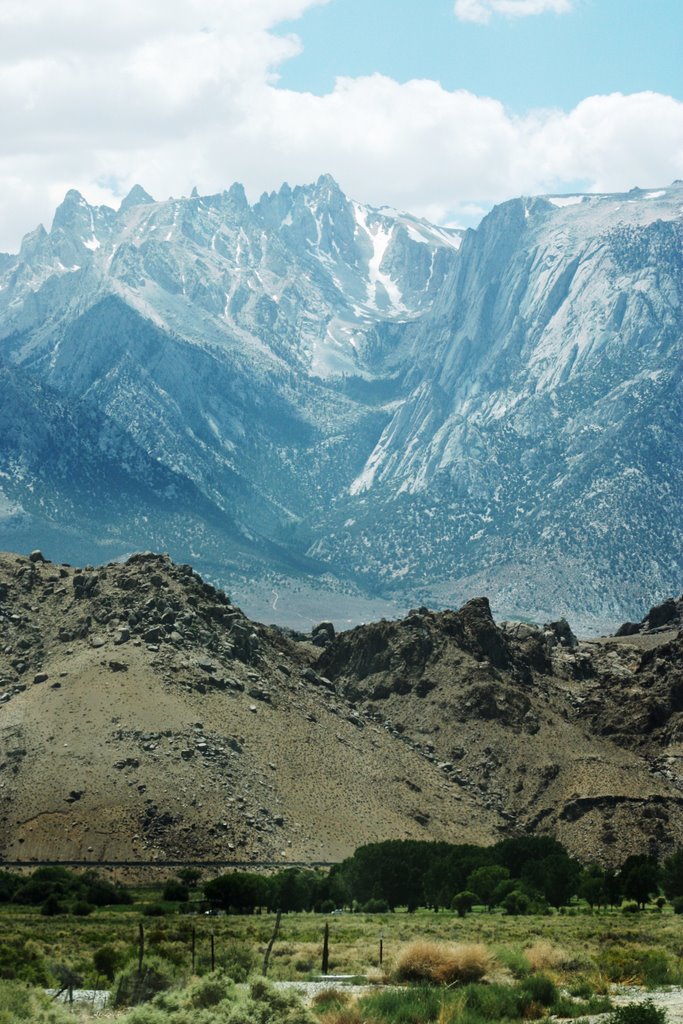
[350, 411]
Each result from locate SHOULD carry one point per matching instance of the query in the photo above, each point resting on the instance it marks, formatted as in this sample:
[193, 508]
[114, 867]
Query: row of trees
[57, 886]
[525, 875]
[292, 890]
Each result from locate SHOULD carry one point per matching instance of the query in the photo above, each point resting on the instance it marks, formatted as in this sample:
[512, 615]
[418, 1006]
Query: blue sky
[438, 107]
[601, 46]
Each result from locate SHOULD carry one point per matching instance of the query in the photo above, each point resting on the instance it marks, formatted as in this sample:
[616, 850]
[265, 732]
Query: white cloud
[481, 10]
[184, 92]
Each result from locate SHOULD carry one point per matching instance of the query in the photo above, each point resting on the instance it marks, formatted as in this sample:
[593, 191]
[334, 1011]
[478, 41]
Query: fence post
[194, 947]
[326, 949]
[273, 937]
[213, 952]
[141, 954]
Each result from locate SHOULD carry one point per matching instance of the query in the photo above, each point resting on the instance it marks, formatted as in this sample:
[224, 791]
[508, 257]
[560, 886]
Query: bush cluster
[57, 891]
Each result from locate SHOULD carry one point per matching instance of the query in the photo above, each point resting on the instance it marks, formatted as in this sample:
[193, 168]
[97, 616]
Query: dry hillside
[143, 717]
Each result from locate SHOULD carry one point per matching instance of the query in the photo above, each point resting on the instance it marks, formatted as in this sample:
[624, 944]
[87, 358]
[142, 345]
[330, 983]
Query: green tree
[640, 879]
[515, 854]
[239, 891]
[293, 890]
[463, 902]
[672, 875]
[176, 892]
[485, 882]
[9, 884]
[516, 902]
[592, 886]
[556, 877]
[190, 877]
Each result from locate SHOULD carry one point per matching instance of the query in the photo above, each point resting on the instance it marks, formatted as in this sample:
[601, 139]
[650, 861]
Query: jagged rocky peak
[74, 210]
[32, 242]
[136, 197]
[236, 195]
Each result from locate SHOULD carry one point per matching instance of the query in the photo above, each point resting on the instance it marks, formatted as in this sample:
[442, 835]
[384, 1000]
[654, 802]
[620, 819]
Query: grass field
[576, 947]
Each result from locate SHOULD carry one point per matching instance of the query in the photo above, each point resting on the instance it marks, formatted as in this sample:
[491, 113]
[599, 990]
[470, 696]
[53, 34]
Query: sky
[438, 107]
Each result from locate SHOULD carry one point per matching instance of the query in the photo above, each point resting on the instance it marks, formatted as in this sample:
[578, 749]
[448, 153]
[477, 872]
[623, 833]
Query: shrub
[103, 893]
[23, 961]
[516, 902]
[131, 987]
[210, 990]
[630, 908]
[327, 906]
[376, 907]
[636, 964]
[439, 963]
[176, 892]
[18, 1003]
[9, 884]
[516, 962]
[491, 1002]
[565, 1007]
[330, 999]
[406, 1006]
[542, 955]
[581, 989]
[51, 907]
[237, 960]
[107, 960]
[268, 1005]
[190, 876]
[47, 882]
[638, 1013]
[82, 909]
[539, 989]
[677, 904]
[154, 910]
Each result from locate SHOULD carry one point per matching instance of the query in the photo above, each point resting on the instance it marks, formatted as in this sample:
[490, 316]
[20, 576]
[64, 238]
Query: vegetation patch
[442, 964]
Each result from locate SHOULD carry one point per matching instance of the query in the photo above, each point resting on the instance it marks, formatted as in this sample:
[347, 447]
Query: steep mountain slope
[581, 740]
[538, 455]
[143, 717]
[381, 410]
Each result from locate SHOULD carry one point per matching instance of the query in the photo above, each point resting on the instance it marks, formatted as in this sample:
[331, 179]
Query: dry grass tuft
[442, 964]
[331, 995]
[334, 1006]
[543, 956]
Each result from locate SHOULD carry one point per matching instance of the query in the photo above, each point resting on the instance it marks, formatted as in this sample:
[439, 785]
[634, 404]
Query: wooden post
[273, 937]
[213, 952]
[326, 950]
[141, 953]
[194, 947]
[381, 947]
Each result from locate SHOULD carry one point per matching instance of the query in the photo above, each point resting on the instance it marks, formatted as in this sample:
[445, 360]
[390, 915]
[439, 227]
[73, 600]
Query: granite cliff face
[353, 402]
[144, 718]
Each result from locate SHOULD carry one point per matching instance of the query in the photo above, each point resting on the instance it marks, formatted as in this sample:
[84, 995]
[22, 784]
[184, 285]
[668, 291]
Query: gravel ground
[310, 989]
[670, 999]
[97, 998]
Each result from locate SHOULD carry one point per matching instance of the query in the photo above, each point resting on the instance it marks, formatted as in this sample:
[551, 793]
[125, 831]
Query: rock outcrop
[144, 717]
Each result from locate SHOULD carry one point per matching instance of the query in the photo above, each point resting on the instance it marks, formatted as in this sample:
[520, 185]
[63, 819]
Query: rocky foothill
[144, 718]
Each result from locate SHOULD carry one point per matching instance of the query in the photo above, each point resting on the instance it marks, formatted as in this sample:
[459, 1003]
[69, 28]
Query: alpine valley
[345, 411]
